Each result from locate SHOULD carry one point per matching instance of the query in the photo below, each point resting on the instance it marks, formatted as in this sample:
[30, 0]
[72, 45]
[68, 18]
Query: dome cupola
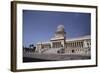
[60, 28]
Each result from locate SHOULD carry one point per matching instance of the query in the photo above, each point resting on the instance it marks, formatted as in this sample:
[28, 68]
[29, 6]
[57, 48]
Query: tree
[31, 46]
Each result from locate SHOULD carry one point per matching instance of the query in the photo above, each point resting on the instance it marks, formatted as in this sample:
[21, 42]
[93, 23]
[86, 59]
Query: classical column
[85, 44]
[75, 44]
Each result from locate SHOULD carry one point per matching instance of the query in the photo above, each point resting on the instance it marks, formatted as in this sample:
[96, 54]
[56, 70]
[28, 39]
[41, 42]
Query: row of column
[75, 44]
[71, 44]
[56, 44]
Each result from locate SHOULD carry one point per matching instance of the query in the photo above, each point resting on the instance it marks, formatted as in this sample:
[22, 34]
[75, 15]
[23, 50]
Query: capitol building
[59, 44]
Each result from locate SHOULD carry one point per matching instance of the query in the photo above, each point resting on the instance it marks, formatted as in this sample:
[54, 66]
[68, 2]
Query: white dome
[60, 28]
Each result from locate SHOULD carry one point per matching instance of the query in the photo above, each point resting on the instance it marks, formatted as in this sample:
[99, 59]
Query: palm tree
[31, 46]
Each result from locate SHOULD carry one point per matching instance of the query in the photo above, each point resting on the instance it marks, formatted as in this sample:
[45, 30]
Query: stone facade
[60, 45]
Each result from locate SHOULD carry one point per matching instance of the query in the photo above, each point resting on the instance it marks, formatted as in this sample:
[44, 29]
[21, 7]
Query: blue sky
[41, 25]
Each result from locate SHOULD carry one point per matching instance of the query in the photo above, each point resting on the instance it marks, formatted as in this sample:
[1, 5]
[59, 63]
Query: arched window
[73, 51]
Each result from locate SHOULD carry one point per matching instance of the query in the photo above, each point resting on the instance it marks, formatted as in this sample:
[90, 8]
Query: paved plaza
[54, 57]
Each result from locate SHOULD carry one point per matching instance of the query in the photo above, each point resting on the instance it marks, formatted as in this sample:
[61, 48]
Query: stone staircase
[51, 51]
